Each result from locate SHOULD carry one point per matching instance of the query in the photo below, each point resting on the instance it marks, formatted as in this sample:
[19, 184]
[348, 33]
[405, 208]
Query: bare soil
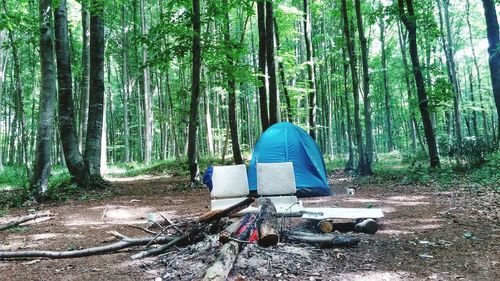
[427, 234]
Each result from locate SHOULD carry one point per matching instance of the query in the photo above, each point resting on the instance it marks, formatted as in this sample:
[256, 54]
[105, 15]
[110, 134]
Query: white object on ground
[342, 213]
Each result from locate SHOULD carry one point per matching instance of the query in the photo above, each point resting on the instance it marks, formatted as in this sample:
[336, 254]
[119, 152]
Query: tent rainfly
[285, 142]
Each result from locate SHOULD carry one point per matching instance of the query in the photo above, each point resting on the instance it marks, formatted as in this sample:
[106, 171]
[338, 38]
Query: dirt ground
[427, 234]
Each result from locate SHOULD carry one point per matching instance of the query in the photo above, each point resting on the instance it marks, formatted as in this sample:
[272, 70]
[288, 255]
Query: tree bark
[148, 109]
[96, 96]
[388, 117]
[222, 265]
[45, 128]
[84, 95]
[126, 89]
[492, 30]
[281, 69]
[363, 166]
[67, 130]
[195, 94]
[349, 165]
[274, 114]
[408, 19]
[268, 224]
[367, 169]
[231, 85]
[261, 24]
[478, 72]
[310, 70]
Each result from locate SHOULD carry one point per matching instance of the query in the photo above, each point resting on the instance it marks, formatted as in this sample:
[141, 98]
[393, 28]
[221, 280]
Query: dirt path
[426, 235]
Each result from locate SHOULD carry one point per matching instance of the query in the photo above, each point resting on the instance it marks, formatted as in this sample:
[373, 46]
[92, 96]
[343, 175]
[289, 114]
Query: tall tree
[310, 70]
[126, 87]
[366, 88]
[148, 109]
[231, 84]
[195, 93]
[363, 165]
[67, 130]
[493, 33]
[261, 24]
[274, 115]
[85, 83]
[96, 96]
[387, 97]
[41, 173]
[409, 20]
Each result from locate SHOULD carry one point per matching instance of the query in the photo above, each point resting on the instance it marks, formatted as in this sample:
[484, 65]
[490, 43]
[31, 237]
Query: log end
[325, 226]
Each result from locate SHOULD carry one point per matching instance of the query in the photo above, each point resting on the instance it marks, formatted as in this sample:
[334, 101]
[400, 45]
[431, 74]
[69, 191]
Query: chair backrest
[275, 179]
[229, 181]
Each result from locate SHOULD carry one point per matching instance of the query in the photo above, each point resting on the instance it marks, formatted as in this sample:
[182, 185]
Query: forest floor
[427, 234]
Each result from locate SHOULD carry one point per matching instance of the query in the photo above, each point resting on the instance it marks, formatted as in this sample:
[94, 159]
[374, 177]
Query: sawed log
[268, 224]
[230, 211]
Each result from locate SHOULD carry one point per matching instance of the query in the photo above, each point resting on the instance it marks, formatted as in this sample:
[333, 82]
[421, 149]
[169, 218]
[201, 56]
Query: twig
[142, 228]
[170, 222]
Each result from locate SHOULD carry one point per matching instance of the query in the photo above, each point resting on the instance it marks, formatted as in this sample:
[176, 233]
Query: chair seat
[285, 205]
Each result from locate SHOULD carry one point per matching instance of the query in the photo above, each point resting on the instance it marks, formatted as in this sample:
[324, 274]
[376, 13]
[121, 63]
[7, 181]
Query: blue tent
[285, 142]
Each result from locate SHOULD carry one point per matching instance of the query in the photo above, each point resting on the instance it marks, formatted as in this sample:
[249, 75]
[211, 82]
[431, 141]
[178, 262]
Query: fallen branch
[24, 219]
[218, 214]
[322, 240]
[124, 243]
[163, 248]
[142, 228]
[219, 270]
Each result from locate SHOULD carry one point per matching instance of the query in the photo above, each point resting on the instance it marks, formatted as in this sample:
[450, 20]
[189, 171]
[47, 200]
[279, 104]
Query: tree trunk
[84, 95]
[67, 130]
[231, 85]
[367, 169]
[274, 114]
[148, 109]
[310, 70]
[451, 67]
[261, 24]
[349, 165]
[126, 89]
[390, 143]
[478, 72]
[268, 224]
[96, 96]
[363, 166]
[281, 69]
[409, 21]
[195, 94]
[492, 29]
[40, 181]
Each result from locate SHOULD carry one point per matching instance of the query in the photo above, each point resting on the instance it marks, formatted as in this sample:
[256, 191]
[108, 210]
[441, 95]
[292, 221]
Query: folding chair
[276, 181]
[229, 187]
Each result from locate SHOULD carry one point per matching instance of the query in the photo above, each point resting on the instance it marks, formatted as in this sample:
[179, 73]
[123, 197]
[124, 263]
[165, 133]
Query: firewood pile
[212, 240]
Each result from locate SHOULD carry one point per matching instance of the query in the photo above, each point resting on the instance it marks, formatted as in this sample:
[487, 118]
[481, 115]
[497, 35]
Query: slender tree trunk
[231, 84]
[274, 114]
[281, 69]
[67, 130]
[452, 72]
[84, 95]
[261, 24]
[363, 166]
[478, 72]
[492, 29]
[126, 88]
[366, 90]
[148, 109]
[408, 19]
[18, 99]
[310, 70]
[96, 97]
[195, 94]
[390, 142]
[40, 181]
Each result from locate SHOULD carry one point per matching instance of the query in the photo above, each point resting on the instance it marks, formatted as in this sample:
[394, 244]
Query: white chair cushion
[275, 179]
[229, 181]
